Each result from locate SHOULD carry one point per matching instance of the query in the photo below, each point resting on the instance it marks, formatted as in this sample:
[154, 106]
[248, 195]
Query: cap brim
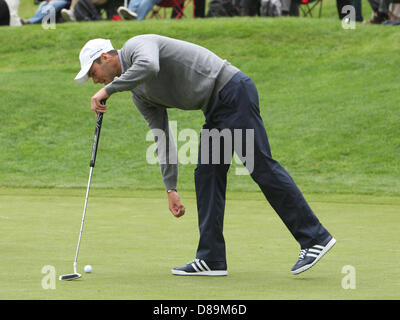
[82, 76]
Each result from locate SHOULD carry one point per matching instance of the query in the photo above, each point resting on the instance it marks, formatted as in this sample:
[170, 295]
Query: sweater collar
[120, 60]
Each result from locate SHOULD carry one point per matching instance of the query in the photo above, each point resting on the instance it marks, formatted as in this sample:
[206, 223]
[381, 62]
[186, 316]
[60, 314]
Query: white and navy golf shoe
[310, 256]
[199, 267]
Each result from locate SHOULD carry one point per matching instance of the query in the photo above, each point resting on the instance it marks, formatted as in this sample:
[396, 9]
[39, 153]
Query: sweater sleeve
[157, 120]
[145, 65]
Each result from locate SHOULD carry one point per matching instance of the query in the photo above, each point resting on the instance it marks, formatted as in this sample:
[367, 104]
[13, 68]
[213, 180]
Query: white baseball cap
[90, 52]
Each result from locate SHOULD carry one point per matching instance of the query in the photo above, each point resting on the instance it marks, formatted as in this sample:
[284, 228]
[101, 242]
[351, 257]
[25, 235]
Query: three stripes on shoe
[311, 252]
[200, 265]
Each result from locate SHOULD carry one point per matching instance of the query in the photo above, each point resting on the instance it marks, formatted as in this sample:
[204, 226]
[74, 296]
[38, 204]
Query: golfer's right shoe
[310, 256]
[199, 267]
[126, 14]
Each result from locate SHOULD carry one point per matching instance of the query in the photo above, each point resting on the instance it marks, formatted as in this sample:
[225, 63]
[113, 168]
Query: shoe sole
[329, 245]
[201, 273]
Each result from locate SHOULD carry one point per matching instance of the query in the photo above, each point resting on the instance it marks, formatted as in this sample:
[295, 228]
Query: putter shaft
[83, 219]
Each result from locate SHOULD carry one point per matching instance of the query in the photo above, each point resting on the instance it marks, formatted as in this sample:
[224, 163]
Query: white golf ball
[88, 269]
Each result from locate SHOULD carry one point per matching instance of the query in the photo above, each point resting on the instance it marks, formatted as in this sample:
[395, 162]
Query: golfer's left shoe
[199, 267]
[310, 256]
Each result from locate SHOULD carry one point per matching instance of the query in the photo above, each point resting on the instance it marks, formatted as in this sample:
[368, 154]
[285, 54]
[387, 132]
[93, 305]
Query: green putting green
[132, 241]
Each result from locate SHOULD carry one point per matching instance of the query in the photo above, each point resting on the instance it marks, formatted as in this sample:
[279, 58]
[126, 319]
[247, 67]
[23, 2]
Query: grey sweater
[166, 73]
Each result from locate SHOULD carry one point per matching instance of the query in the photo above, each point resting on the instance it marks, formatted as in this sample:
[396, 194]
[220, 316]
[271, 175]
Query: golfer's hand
[175, 205]
[96, 104]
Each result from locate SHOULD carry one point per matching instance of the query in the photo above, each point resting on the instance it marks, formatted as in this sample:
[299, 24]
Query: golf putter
[77, 275]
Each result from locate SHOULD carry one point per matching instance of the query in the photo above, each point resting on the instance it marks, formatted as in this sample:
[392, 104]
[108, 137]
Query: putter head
[72, 276]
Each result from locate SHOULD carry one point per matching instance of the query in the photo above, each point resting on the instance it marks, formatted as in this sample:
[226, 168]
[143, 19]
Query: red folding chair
[307, 6]
[174, 4]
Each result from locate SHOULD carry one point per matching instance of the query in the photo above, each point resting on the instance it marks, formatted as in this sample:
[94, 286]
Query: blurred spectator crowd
[385, 12]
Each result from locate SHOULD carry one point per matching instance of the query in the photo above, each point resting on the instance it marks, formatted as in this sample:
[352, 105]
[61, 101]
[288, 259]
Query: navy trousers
[237, 107]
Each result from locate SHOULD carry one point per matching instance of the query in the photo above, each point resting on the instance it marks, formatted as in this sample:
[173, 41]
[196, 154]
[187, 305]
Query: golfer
[163, 73]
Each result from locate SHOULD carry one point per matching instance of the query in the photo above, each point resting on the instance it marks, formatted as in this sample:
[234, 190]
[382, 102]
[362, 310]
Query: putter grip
[96, 136]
